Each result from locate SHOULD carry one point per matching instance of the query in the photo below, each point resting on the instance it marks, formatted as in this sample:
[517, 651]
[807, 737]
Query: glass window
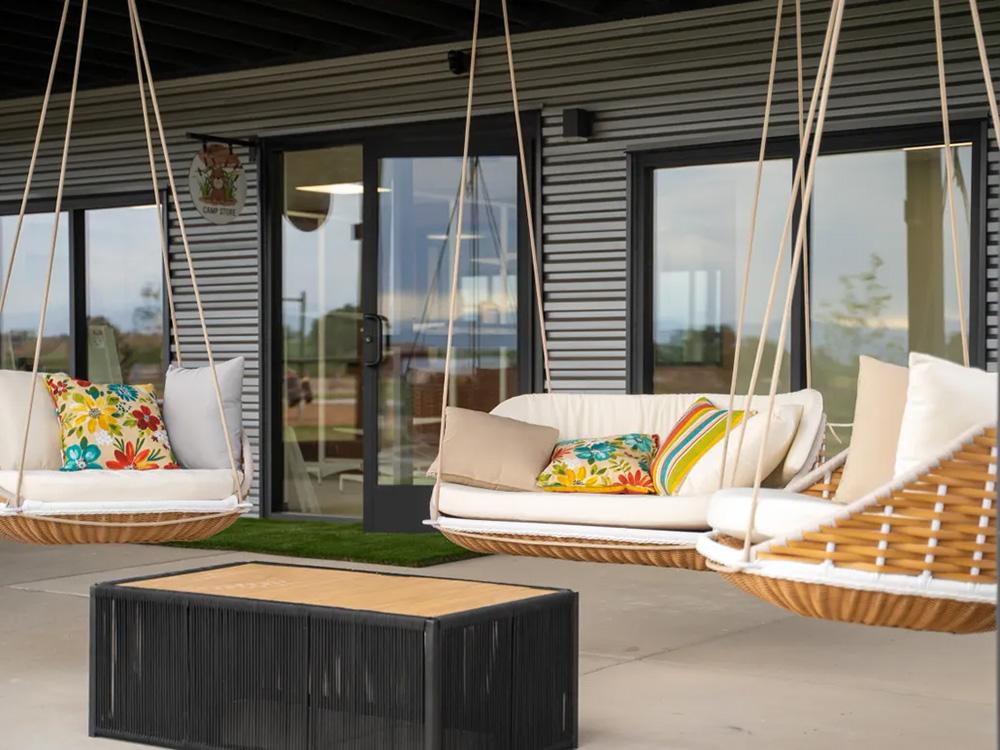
[417, 226]
[882, 276]
[19, 323]
[881, 270]
[321, 313]
[701, 217]
[125, 305]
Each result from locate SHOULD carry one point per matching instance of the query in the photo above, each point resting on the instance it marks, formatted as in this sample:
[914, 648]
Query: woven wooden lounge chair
[917, 553]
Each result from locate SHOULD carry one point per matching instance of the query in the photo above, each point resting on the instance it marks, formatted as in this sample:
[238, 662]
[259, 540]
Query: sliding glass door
[360, 289]
[417, 230]
[320, 309]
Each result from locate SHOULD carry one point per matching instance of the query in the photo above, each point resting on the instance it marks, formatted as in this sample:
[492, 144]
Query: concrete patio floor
[669, 659]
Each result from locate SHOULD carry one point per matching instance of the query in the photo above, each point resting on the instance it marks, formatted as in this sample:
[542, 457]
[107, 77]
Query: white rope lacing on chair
[748, 258]
[164, 252]
[950, 177]
[985, 64]
[797, 182]
[806, 279]
[456, 259]
[826, 73]
[526, 193]
[140, 50]
[137, 27]
[806, 198]
[34, 156]
[52, 248]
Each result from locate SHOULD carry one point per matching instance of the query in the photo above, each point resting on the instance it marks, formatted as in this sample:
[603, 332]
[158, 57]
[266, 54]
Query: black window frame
[642, 164]
[75, 208]
[423, 138]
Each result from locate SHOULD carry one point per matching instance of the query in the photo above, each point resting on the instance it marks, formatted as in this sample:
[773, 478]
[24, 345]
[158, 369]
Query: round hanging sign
[217, 183]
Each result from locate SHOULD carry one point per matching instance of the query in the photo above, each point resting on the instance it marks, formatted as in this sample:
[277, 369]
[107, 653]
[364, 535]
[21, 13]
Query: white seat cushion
[779, 513]
[44, 438]
[637, 511]
[581, 415]
[94, 486]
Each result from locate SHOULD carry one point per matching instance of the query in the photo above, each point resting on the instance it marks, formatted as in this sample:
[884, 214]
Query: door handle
[373, 339]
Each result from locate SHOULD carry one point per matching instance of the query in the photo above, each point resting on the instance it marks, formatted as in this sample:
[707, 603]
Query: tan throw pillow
[44, 443]
[878, 415]
[496, 453]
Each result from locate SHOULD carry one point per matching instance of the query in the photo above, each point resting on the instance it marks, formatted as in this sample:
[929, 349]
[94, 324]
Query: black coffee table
[283, 657]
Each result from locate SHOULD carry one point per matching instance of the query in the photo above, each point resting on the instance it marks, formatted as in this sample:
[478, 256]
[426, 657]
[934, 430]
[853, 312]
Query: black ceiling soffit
[195, 37]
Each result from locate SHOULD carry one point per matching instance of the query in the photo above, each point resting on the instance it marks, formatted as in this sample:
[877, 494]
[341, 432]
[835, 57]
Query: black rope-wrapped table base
[283, 657]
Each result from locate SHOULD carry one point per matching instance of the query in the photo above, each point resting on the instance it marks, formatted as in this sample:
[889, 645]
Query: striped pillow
[694, 435]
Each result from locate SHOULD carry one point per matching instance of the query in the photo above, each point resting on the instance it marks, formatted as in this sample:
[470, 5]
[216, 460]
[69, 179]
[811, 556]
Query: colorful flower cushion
[616, 464]
[114, 426]
[695, 434]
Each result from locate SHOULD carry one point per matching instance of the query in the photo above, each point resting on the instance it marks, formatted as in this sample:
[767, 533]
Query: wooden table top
[328, 587]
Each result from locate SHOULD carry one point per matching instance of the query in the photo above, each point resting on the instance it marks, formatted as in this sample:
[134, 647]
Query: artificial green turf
[332, 541]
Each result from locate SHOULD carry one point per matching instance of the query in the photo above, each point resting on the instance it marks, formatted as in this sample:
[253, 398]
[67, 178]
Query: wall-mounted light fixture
[458, 61]
[577, 123]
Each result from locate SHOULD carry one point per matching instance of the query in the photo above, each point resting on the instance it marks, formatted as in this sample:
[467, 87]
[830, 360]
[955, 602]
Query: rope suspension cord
[827, 76]
[34, 156]
[52, 246]
[137, 28]
[797, 181]
[950, 177]
[457, 258]
[751, 231]
[806, 302]
[526, 191]
[156, 196]
[985, 63]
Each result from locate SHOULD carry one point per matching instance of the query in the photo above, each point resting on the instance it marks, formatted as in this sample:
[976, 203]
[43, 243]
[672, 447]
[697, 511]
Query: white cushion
[120, 486]
[703, 479]
[44, 439]
[191, 414]
[878, 416]
[943, 400]
[578, 415]
[779, 513]
[637, 511]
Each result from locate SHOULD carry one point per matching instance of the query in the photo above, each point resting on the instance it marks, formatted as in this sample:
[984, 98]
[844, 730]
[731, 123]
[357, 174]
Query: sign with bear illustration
[218, 185]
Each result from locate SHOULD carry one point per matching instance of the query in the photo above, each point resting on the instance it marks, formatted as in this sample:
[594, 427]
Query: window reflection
[321, 267]
[883, 279]
[417, 224]
[19, 323]
[125, 305]
[700, 223]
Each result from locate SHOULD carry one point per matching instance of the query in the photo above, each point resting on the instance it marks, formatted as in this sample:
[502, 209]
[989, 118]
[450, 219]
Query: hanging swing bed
[917, 552]
[52, 507]
[633, 529]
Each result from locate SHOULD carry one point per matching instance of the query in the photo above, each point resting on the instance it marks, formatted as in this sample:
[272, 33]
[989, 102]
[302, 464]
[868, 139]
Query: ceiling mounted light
[339, 188]
[446, 236]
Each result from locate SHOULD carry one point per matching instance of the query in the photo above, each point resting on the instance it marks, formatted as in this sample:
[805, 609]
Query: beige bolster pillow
[495, 453]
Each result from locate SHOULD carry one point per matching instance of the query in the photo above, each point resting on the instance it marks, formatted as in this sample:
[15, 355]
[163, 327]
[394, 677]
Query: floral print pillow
[616, 464]
[115, 427]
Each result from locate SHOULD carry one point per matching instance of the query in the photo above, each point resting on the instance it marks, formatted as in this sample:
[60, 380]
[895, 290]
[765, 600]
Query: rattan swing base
[904, 521]
[580, 550]
[869, 607]
[117, 528]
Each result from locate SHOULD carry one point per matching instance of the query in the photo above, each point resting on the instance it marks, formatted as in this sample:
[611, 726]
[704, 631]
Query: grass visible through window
[332, 541]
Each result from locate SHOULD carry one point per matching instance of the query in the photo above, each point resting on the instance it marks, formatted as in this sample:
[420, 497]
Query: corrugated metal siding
[695, 77]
